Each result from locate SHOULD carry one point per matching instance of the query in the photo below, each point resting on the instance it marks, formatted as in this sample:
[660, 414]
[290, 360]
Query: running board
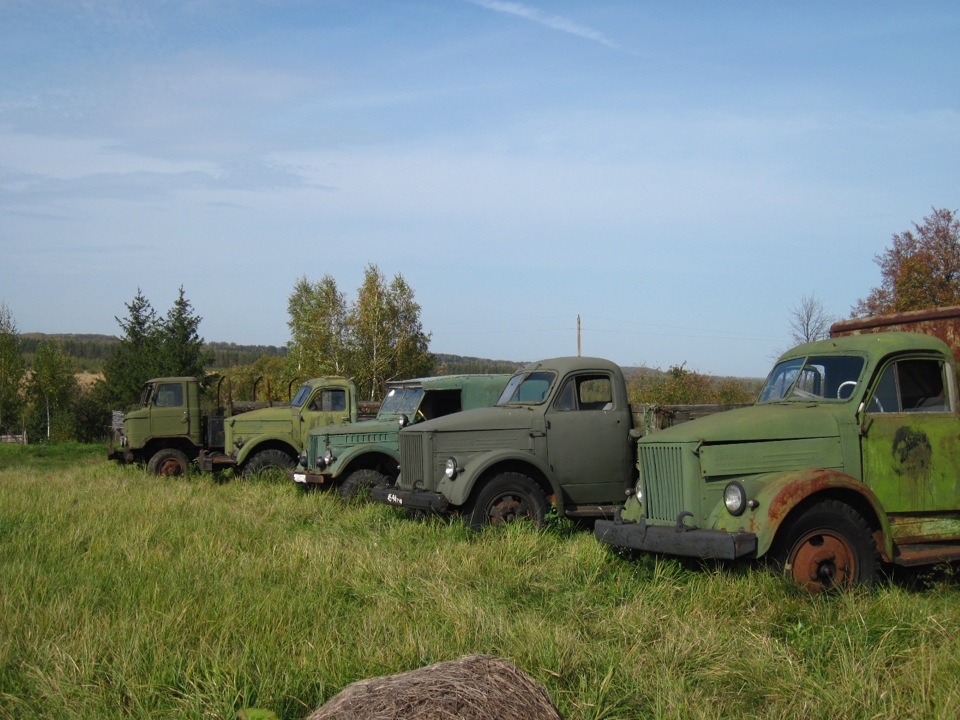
[926, 554]
[591, 511]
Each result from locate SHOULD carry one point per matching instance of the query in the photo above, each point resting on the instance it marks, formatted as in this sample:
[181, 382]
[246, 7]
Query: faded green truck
[367, 454]
[851, 456]
[274, 437]
[561, 434]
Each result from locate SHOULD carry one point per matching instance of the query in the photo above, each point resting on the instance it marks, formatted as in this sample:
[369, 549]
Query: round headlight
[735, 498]
[304, 458]
[328, 457]
[451, 468]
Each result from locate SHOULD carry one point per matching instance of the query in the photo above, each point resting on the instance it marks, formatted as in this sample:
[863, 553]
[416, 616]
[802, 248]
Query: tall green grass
[126, 596]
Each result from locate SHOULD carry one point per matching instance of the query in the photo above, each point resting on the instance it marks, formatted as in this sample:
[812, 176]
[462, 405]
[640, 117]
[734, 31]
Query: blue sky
[677, 174]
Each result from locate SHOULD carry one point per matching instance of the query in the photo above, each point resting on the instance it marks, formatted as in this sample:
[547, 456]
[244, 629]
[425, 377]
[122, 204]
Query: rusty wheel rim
[822, 560]
[507, 508]
[170, 468]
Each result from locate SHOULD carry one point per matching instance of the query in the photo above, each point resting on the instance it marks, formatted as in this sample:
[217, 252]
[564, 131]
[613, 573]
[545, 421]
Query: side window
[911, 386]
[585, 393]
[169, 395]
[330, 401]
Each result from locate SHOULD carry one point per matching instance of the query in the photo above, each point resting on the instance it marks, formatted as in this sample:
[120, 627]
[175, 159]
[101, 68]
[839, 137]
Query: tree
[386, 337]
[181, 347]
[318, 328]
[53, 389]
[134, 360]
[809, 321]
[12, 370]
[920, 270]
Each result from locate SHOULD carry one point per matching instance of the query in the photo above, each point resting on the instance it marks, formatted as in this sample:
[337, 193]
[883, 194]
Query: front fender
[348, 458]
[251, 447]
[477, 467]
[779, 494]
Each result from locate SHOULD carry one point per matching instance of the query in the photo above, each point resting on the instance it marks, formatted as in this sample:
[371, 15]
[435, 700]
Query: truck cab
[367, 454]
[849, 457]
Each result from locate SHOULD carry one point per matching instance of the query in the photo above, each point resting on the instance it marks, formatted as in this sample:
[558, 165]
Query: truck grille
[661, 469]
[411, 458]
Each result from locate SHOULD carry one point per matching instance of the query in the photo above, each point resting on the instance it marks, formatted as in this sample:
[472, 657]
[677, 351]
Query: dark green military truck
[168, 429]
[562, 434]
[850, 456]
[274, 437]
[367, 454]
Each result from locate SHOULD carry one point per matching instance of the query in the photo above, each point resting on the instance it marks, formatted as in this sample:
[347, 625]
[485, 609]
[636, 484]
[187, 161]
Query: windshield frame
[784, 381]
[303, 393]
[519, 382]
[399, 401]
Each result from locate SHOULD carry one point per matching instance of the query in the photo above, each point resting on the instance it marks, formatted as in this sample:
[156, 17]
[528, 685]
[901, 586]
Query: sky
[670, 177]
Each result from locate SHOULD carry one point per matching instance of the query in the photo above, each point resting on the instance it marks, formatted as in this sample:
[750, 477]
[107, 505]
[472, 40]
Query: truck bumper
[305, 477]
[675, 539]
[411, 499]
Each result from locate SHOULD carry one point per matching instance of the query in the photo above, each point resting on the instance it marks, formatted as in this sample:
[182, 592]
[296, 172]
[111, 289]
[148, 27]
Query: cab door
[909, 446]
[327, 406]
[169, 415]
[588, 449]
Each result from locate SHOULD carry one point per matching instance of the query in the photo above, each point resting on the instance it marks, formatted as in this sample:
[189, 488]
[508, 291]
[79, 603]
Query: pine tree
[181, 347]
[135, 358]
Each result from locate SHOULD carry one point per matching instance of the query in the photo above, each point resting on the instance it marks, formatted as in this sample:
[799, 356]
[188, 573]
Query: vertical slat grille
[411, 458]
[662, 470]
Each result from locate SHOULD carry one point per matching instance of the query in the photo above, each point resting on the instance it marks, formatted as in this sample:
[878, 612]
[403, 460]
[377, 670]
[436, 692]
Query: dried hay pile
[477, 687]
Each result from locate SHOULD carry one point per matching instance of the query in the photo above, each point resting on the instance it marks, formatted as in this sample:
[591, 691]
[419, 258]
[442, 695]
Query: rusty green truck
[367, 454]
[849, 458]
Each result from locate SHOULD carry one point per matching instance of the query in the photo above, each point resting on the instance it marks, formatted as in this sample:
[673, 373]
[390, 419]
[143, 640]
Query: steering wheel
[851, 383]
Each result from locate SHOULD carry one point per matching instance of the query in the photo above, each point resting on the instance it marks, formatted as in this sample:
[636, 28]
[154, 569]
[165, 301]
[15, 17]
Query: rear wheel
[359, 483]
[508, 497]
[168, 462]
[268, 460]
[828, 547]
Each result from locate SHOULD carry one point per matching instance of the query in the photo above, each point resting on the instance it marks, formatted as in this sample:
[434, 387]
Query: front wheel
[359, 483]
[507, 497]
[828, 547]
[168, 462]
[266, 460]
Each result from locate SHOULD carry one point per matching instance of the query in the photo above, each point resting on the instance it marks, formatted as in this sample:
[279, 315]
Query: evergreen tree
[135, 358]
[181, 347]
[12, 370]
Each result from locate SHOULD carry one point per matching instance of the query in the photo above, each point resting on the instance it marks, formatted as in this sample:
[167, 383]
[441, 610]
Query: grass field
[126, 596]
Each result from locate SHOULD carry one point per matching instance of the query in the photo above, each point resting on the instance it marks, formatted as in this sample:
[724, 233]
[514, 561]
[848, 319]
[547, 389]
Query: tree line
[374, 338]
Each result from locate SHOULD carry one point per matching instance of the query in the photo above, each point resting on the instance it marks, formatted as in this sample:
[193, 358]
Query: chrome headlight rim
[735, 498]
[451, 469]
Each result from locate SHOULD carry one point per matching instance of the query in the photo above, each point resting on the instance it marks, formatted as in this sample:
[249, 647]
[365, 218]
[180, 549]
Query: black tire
[358, 484]
[168, 462]
[267, 460]
[508, 497]
[828, 547]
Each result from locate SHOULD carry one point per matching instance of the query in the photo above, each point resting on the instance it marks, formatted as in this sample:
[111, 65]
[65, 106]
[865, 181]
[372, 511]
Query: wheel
[168, 462]
[267, 460]
[851, 383]
[359, 483]
[507, 497]
[828, 547]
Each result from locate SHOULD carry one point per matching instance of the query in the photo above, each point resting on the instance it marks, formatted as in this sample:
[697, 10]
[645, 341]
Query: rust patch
[912, 452]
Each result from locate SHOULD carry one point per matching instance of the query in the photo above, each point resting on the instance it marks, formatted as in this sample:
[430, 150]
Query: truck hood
[364, 426]
[759, 423]
[491, 418]
[255, 418]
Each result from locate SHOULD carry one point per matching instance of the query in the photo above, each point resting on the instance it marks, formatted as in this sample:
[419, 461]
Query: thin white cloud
[554, 22]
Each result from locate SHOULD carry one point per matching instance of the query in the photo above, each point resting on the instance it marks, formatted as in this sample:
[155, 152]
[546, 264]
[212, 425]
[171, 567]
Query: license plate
[299, 477]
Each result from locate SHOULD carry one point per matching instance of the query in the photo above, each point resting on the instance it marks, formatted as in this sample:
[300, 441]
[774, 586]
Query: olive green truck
[367, 454]
[562, 434]
[849, 458]
[170, 428]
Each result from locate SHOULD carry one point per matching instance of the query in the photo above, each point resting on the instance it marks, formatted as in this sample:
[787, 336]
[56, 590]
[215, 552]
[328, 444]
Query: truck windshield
[531, 388]
[823, 377]
[404, 401]
[301, 397]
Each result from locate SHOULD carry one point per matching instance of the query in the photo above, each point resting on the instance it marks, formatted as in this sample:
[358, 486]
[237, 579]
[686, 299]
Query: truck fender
[458, 490]
[251, 448]
[781, 493]
[345, 461]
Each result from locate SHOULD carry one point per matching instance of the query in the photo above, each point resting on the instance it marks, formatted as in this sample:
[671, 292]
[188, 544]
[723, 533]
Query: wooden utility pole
[578, 336]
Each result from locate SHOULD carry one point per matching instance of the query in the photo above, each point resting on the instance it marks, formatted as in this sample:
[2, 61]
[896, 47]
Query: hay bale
[477, 687]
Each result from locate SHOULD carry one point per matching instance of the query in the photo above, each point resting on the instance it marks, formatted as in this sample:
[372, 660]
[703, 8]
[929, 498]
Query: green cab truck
[562, 434]
[274, 437]
[168, 429]
[367, 454]
[849, 458]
